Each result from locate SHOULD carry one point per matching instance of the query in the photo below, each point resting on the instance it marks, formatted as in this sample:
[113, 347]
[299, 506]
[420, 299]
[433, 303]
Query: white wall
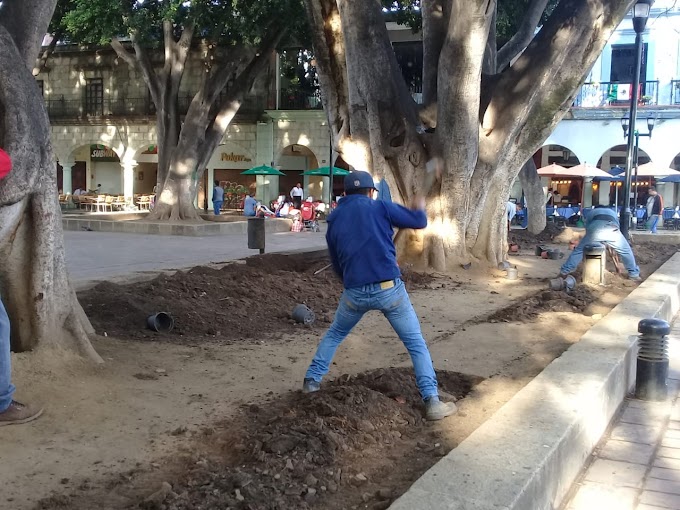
[109, 175]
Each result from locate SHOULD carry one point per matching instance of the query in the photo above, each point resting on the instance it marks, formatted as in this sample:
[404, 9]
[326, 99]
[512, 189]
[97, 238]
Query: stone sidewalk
[637, 465]
[94, 256]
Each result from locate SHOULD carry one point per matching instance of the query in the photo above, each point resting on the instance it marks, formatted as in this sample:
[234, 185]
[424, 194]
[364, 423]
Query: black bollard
[256, 234]
[652, 360]
[593, 264]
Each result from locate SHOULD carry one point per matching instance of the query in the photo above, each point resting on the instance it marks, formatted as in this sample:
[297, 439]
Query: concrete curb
[172, 229]
[527, 455]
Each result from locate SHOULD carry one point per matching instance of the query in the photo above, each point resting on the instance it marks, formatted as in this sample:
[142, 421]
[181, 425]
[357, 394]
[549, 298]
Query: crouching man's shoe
[18, 413]
[310, 386]
[435, 409]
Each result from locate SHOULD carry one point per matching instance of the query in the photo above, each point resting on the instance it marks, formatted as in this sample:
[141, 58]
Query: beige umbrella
[583, 170]
[652, 169]
[551, 169]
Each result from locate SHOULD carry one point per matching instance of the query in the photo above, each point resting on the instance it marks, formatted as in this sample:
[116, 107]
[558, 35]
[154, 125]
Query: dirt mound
[528, 309]
[359, 441]
[653, 254]
[551, 234]
[226, 305]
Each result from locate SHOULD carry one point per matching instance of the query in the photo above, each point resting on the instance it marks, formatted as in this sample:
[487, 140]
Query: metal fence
[602, 94]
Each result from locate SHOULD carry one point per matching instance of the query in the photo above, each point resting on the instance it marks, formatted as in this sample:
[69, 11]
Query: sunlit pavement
[637, 465]
[105, 255]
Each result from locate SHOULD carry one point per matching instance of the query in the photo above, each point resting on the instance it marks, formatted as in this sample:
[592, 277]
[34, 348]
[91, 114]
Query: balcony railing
[603, 94]
[129, 107]
[299, 100]
[675, 92]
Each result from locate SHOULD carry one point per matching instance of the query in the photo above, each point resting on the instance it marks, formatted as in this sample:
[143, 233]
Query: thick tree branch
[26, 21]
[535, 93]
[524, 35]
[181, 51]
[168, 44]
[41, 62]
[120, 50]
[436, 15]
[331, 64]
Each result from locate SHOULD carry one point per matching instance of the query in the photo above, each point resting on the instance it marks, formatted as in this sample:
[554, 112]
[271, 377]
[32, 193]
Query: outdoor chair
[99, 203]
[144, 202]
[641, 215]
[108, 204]
[119, 203]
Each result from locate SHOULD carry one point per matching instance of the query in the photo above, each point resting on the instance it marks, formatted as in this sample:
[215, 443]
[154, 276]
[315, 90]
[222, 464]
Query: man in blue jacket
[360, 244]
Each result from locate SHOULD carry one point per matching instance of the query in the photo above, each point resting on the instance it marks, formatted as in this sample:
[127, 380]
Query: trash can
[256, 234]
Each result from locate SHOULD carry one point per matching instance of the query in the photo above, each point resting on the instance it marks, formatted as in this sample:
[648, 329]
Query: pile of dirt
[225, 305]
[526, 310]
[652, 255]
[551, 234]
[359, 441]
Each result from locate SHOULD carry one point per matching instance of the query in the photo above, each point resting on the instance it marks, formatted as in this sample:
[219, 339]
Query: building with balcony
[104, 125]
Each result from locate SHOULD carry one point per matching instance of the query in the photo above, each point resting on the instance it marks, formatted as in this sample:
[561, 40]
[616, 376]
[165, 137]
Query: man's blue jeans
[396, 306]
[653, 222]
[607, 233]
[217, 205]
[6, 388]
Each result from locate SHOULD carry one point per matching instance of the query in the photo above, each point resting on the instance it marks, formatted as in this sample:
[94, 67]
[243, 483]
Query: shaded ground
[358, 441]
[224, 305]
[187, 411]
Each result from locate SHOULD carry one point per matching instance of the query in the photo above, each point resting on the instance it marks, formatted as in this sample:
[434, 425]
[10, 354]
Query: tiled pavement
[637, 466]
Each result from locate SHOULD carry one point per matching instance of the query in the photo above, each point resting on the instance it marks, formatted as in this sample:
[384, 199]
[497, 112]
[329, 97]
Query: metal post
[330, 168]
[637, 163]
[594, 260]
[652, 360]
[625, 212]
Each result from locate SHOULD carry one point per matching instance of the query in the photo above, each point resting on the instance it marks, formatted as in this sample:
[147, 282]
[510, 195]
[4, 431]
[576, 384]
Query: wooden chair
[118, 203]
[144, 202]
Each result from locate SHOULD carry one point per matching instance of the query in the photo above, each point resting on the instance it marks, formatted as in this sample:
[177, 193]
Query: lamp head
[651, 121]
[625, 124]
[641, 14]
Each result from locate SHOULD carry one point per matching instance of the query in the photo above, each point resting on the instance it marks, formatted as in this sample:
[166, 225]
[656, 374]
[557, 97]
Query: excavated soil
[360, 441]
[225, 305]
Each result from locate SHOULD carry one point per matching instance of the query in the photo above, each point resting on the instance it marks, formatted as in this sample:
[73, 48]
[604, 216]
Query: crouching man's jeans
[396, 306]
[607, 233]
[6, 388]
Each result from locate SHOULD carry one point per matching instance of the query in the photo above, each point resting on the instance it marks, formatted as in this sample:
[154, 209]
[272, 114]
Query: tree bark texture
[42, 306]
[535, 196]
[184, 148]
[487, 125]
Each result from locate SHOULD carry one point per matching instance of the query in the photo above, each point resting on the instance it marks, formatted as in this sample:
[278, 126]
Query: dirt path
[156, 395]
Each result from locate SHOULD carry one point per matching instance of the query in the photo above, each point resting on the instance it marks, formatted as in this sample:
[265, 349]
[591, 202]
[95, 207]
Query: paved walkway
[637, 466]
[103, 255]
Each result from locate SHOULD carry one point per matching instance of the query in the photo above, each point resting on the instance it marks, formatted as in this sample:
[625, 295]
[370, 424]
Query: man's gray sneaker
[435, 409]
[18, 413]
[310, 386]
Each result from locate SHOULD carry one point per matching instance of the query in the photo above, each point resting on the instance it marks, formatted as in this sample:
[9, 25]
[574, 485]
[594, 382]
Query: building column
[209, 188]
[587, 192]
[128, 178]
[67, 177]
[605, 188]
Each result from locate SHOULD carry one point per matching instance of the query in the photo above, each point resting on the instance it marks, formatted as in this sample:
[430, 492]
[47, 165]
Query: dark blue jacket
[359, 238]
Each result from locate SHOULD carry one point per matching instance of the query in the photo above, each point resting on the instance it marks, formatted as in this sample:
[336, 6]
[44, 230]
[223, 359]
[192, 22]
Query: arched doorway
[294, 160]
[613, 160]
[564, 186]
[146, 171]
[101, 165]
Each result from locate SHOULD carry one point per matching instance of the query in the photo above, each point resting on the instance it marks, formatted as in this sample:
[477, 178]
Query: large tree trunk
[485, 126]
[42, 306]
[535, 197]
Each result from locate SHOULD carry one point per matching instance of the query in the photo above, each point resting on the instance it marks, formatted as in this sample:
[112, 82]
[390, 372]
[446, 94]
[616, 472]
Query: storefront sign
[234, 158]
[102, 153]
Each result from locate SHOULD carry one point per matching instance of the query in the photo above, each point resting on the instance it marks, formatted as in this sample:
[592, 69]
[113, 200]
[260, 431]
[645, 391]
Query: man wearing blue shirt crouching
[359, 238]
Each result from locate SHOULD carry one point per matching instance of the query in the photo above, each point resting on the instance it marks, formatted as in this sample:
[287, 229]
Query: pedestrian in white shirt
[297, 194]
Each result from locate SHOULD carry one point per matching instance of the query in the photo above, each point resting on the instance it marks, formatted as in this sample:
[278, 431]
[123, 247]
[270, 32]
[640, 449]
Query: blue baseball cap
[358, 180]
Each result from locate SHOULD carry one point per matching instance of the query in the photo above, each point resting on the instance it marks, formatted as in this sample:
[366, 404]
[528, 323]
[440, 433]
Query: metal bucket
[303, 314]
[512, 273]
[161, 322]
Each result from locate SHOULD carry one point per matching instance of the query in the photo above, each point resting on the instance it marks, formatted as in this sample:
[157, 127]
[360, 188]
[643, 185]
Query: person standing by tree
[297, 195]
[654, 209]
[11, 411]
[362, 252]
[218, 198]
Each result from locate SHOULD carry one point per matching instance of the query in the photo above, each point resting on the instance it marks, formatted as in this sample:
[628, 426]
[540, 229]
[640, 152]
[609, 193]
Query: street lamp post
[640, 15]
[625, 124]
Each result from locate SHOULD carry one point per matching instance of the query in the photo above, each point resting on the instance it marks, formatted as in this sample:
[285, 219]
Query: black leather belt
[602, 217]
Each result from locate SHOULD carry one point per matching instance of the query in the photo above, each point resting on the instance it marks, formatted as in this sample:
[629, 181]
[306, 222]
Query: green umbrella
[324, 170]
[262, 170]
